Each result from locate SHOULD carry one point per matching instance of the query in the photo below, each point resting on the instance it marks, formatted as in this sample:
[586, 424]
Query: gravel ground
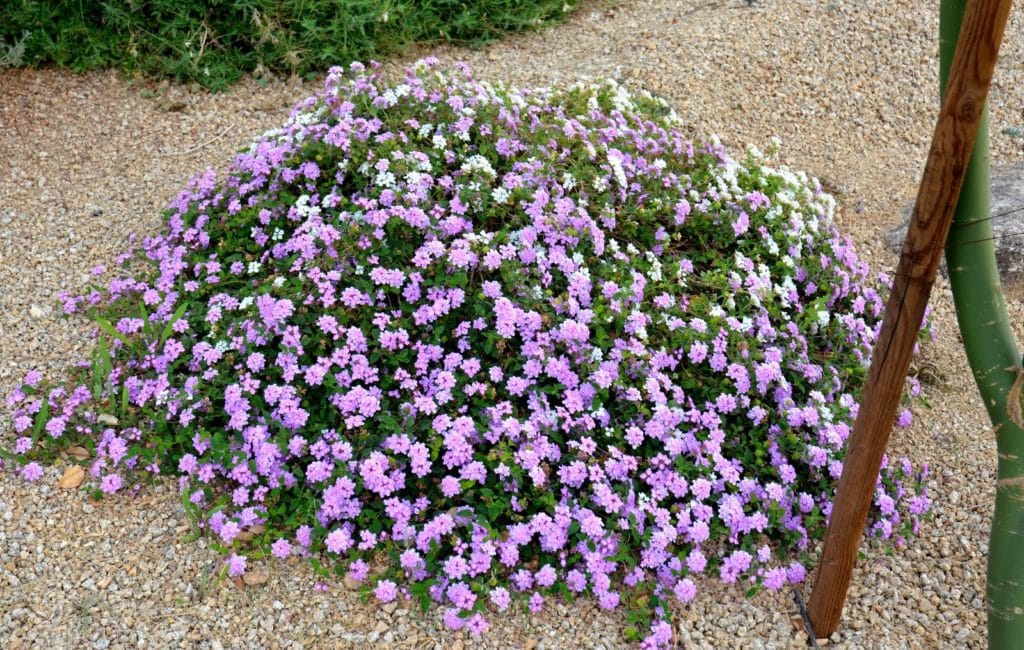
[86, 160]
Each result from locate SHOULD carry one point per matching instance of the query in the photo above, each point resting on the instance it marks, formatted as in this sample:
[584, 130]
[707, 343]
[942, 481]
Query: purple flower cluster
[523, 344]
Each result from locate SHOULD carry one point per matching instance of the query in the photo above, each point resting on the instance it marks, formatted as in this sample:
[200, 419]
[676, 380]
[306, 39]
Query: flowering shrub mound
[521, 345]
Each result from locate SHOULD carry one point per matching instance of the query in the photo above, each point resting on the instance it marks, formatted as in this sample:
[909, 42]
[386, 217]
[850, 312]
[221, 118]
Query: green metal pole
[994, 358]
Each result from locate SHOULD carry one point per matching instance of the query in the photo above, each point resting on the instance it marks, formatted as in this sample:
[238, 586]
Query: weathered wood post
[952, 143]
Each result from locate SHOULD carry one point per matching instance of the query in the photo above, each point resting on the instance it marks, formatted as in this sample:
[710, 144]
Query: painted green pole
[995, 361]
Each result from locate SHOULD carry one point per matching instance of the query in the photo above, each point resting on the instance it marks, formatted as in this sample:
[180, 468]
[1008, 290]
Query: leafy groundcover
[483, 347]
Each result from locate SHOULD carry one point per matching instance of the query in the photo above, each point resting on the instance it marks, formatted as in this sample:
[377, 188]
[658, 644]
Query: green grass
[215, 42]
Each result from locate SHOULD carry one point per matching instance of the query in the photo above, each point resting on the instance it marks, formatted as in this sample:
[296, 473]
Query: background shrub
[214, 42]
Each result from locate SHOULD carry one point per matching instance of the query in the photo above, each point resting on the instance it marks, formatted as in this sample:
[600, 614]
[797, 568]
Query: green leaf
[111, 330]
[41, 417]
[168, 328]
[124, 400]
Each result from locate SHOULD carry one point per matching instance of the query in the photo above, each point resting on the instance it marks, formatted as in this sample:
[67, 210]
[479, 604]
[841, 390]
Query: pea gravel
[87, 160]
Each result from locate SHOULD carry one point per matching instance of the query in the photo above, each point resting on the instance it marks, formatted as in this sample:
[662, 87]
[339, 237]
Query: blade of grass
[168, 328]
[111, 330]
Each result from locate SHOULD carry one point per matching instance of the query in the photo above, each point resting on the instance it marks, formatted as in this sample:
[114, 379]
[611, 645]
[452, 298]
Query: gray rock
[1007, 226]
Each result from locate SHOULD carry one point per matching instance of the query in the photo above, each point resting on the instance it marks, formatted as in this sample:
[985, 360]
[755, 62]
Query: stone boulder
[1007, 225]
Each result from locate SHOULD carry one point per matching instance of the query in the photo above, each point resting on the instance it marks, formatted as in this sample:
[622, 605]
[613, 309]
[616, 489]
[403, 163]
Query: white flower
[783, 290]
[254, 267]
[278, 282]
[615, 161]
[304, 209]
[655, 272]
[477, 163]
[500, 194]
[384, 179]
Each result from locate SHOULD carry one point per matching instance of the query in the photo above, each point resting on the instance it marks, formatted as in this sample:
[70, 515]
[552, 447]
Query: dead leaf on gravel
[796, 621]
[256, 576]
[171, 105]
[78, 452]
[73, 477]
[350, 582]
[249, 533]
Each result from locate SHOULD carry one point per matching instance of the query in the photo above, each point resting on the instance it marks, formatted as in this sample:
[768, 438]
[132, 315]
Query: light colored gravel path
[84, 161]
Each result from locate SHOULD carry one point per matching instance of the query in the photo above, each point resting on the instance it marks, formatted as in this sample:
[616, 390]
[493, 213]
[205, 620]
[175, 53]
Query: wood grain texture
[952, 143]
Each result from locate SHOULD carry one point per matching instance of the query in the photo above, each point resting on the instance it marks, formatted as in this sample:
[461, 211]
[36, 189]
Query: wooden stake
[962, 107]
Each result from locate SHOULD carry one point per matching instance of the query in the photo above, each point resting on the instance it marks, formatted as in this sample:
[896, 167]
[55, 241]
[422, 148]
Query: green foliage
[215, 42]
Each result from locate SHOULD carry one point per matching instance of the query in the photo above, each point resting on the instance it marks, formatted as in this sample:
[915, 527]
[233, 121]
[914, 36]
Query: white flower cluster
[655, 272]
[305, 210]
[478, 164]
[500, 194]
[615, 162]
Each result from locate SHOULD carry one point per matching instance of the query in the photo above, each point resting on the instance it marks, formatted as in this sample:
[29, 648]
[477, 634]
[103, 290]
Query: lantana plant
[479, 347]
